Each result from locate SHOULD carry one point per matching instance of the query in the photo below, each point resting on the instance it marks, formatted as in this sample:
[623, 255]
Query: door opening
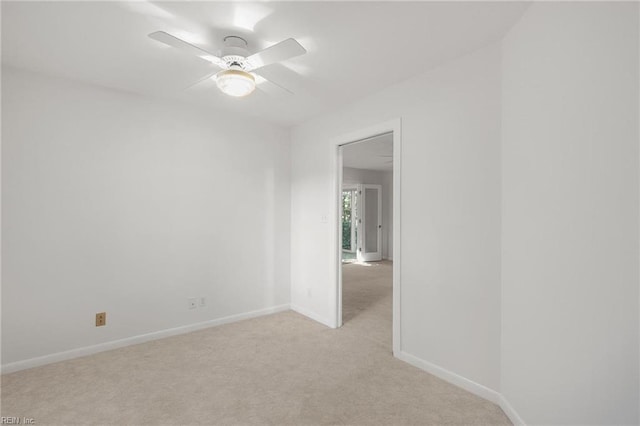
[367, 213]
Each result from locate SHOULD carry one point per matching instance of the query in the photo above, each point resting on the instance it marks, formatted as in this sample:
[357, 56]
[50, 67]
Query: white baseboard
[101, 347]
[510, 412]
[451, 377]
[314, 316]
[464, 383]
[442, 373]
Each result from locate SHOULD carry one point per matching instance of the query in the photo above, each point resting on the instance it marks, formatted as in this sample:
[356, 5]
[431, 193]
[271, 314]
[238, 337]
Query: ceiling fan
[237, 76]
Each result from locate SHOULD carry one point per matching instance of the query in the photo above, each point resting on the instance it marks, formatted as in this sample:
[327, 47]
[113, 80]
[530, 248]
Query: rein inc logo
[5, 420]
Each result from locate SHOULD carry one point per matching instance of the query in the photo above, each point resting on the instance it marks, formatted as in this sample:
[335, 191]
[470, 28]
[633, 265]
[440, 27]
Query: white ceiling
[354, 48]
[375, 153]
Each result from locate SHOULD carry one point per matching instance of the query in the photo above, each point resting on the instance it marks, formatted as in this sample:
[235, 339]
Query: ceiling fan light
[235, 82]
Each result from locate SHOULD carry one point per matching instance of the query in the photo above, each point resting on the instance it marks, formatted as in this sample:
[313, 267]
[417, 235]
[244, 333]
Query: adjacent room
[314, 213]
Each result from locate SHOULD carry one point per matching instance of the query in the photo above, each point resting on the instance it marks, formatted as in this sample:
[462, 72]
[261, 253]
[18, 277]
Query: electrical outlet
[203, 302]
[101, 319]
[193, 302]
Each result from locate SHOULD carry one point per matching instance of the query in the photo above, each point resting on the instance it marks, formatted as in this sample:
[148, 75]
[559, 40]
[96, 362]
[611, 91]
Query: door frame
[335, 285]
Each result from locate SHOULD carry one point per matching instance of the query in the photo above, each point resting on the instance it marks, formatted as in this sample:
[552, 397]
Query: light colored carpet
[366, 301]
[282, 369]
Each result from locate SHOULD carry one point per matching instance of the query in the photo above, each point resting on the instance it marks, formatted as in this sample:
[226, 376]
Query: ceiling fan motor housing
[234, 51]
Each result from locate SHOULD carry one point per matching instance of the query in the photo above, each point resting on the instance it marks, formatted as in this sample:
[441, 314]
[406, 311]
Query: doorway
[383, 241]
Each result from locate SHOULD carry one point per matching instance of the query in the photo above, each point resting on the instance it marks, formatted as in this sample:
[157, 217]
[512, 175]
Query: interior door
[370, 218]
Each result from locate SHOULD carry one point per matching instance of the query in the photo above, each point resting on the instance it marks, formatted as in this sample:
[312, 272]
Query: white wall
[117, 203]
[450, 262]
[351, 175]
[570, 214]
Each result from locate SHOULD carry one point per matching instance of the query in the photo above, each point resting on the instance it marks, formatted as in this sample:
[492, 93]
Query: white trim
[335, 295]
[314, 316]
[350, 186]
[510, 412]
[451, 377]
[466, 384]
[335, 290]
[115, 344]
[397, 224]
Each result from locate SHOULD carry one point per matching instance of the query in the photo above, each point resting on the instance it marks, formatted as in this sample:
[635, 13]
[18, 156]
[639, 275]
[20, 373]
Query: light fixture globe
[235, 82]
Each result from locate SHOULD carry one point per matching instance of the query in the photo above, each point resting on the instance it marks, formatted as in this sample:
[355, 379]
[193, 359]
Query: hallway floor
[367, 300]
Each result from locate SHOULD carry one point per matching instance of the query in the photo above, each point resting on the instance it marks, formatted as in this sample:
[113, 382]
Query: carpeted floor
[282, 369]
[366, 301]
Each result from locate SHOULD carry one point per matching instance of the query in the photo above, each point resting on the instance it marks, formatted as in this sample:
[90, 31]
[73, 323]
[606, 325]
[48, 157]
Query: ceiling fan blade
[271, 88]
[201, 80]
[284, 50]
[173, 41]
